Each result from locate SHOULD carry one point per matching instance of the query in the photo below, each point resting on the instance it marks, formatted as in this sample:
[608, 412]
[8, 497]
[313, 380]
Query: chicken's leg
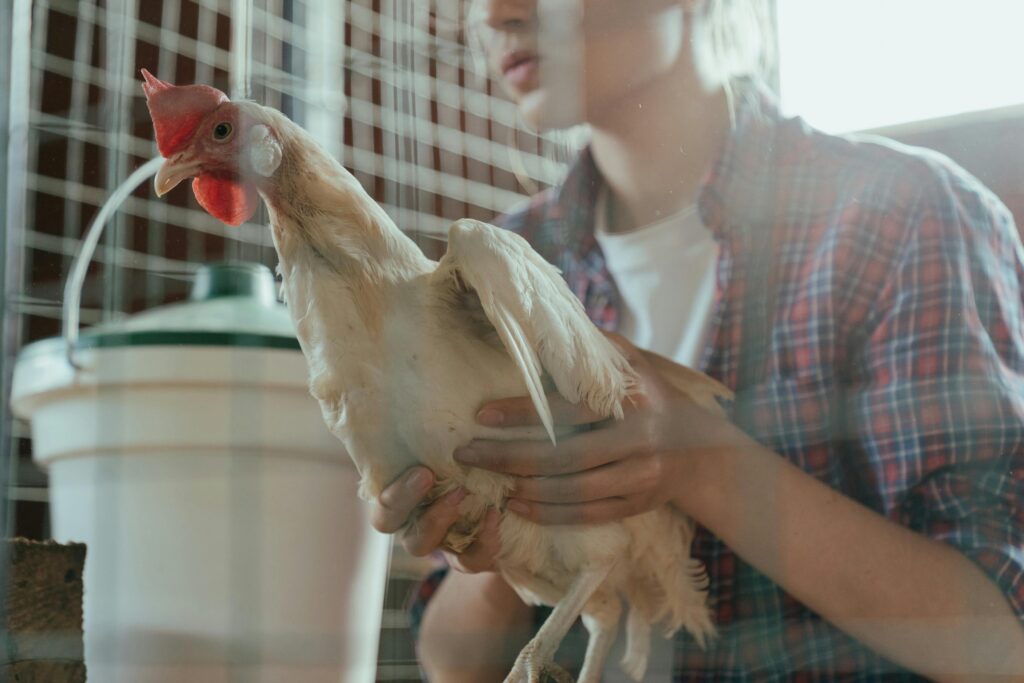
[638, 644]
[539, 653]
[602, 622]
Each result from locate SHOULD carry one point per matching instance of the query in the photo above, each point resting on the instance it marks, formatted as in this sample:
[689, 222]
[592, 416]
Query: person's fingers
[615, 480]
[520, 412]
[425, 535]
[541, 458]
[391, 510]
[482, 554]
[594, 512]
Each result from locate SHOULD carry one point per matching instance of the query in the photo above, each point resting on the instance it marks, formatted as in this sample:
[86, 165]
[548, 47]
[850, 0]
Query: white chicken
[403, 350]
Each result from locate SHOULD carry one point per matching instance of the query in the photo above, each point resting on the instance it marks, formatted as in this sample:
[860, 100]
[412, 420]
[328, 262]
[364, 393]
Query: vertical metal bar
[420, 96]
[388, 106]
[404, 83]
[15, 29]
[120, 60]
[16, 112]
[77, 116]
[325, 76]
[8, 151]
[205, 55]
[240, 80]
[7, 345]
[449, 114]
[245, 492]
[361, 89]
[26, 102]
[240, 76]
[401, 110]
[257, 58]
[165, 68]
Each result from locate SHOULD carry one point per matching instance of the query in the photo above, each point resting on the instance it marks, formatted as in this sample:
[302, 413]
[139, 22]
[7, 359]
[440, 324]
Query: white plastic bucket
[225, 538]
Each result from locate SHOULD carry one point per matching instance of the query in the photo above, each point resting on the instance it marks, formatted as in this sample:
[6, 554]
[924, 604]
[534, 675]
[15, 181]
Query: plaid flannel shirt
[883, 354]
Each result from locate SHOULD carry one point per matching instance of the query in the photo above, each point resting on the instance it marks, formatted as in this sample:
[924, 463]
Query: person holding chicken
[862, 512]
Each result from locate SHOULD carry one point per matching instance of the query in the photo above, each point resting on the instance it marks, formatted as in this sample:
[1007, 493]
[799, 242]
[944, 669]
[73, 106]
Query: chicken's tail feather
[673, 590]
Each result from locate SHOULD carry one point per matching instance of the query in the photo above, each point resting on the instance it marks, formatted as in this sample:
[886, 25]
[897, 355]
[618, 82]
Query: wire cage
[387, 86]
[395, 91]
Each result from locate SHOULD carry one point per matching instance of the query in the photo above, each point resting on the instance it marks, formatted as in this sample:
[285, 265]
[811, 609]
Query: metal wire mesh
[387, 85]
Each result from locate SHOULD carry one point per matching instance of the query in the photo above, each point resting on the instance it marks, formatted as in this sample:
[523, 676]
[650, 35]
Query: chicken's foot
[538, 655]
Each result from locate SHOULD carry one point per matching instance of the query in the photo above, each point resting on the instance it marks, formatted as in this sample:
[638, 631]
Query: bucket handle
[76, 276]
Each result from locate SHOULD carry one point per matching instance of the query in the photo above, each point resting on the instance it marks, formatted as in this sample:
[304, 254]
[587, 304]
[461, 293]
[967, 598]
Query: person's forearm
[473, 628]
[912, 599]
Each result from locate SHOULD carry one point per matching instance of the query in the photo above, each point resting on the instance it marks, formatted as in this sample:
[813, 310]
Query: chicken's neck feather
[343, 262]
[316, 204]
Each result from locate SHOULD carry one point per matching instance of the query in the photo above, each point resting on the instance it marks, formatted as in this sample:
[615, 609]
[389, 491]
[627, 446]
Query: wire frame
[388, 86]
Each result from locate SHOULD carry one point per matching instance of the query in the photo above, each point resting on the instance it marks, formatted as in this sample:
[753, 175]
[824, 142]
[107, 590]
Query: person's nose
[509, 15]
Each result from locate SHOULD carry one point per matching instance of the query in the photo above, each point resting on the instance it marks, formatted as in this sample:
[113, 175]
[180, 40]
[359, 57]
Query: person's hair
[734, 44]
[735, 39]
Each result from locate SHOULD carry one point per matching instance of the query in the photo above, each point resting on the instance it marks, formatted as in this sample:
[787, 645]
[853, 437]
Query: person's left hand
[612, 468]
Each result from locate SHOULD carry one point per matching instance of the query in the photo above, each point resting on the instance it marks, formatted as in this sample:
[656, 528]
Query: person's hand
[613, 469]
[393, 511]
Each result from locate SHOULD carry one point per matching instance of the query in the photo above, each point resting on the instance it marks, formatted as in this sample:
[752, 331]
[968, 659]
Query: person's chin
[543, 113]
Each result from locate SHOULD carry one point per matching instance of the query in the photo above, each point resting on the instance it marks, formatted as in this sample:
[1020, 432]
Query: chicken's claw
[534, 665]
[558, 674]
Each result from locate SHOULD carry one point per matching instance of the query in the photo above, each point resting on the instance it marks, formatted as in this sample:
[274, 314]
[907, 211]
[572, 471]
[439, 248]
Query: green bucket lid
[230, 304]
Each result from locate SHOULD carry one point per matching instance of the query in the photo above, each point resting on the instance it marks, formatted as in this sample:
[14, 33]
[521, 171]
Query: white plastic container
[225, 538]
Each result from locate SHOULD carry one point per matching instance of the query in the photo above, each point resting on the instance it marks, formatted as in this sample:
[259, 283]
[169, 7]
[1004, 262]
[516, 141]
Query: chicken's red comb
[177, 110]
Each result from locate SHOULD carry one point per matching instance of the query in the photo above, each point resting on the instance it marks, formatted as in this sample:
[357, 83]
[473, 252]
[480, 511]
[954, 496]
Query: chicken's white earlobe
[264, 151]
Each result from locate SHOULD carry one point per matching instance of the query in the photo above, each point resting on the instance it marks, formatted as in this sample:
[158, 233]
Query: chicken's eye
[222, 131]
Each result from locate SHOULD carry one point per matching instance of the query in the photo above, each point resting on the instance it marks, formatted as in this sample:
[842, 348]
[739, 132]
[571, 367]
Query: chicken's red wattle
[228, 199]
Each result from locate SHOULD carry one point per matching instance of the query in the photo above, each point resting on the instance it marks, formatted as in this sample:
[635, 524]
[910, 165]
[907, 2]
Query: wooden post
[43, 607]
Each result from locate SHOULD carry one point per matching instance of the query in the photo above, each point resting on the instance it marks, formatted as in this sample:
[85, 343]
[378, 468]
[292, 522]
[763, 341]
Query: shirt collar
[734, 192]
[576, 201]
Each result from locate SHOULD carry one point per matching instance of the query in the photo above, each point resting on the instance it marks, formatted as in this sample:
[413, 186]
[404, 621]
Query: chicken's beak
[177, 168]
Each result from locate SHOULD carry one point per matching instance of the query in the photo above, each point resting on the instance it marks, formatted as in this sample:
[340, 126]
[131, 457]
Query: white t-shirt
[665, 274]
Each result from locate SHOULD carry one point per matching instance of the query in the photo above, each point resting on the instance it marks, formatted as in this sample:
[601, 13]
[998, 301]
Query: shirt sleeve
[937, 403]
[421, 596]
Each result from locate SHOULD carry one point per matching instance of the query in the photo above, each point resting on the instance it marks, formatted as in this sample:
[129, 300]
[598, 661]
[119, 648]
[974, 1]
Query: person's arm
[472, 629]
[933, 415]
[919, 602]
[915, 600]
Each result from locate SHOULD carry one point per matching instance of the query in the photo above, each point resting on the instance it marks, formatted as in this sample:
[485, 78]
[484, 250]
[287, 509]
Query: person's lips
[520, 68]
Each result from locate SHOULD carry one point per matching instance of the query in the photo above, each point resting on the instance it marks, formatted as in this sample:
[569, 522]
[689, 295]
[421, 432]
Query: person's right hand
[391, 512]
